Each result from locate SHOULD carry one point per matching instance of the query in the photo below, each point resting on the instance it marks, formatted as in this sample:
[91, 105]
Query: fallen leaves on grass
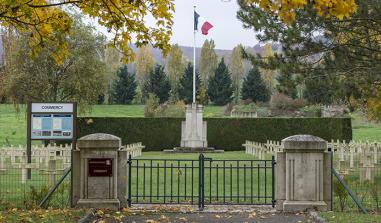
[99, 213]
[164, 218]
[125, 210]
[118, 218]
[253, 214]
[183, 219]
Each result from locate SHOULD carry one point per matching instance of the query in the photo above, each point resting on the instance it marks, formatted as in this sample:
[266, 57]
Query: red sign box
[100, 167]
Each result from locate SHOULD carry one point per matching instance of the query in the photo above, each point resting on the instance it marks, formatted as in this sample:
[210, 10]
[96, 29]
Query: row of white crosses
[49, 160]
[365, 152]
[134, 149]
[43, 159]
[261, 149]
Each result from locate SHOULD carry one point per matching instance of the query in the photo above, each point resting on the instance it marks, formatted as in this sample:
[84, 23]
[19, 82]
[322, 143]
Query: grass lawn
[41, 215]
[350, 217]
[365, 130]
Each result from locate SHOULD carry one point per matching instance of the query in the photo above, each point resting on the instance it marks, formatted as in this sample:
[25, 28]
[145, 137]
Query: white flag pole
[194, 56]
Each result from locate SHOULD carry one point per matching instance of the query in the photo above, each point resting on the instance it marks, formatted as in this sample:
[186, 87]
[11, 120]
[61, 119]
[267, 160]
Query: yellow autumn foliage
[373, 102]
[286, 9]
[48, 23]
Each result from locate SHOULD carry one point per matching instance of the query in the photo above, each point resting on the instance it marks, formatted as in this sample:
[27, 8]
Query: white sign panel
[57, 123]
[52, 107]
[37, 123]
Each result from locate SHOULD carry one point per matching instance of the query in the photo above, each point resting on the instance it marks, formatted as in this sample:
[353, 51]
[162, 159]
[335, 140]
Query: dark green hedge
[223, 133]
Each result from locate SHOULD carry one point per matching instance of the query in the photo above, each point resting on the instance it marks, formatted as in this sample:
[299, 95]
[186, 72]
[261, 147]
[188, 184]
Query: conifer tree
[254, 87]
[157, 84]
[286, 84]
[124, 86]
[186, 84]
[220, 87]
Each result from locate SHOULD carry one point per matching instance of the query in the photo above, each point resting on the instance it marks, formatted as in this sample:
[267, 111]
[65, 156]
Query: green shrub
[152, 109]
[171, 110]
[36, 195]
[283, 102]
[246, 108]
[151, 106]
[341, 193]
[280, 101]
[263, 112]
[312, 111]
[223, 133]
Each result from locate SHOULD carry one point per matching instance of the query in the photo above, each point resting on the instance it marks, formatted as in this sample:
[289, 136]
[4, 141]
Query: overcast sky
[227, 31]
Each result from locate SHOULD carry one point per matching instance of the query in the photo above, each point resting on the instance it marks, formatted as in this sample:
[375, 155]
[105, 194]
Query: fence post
[201, 188]
[330, 152]
[129, 179]
[273, 179]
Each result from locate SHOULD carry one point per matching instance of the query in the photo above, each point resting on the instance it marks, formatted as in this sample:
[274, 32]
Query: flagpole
[194, 58]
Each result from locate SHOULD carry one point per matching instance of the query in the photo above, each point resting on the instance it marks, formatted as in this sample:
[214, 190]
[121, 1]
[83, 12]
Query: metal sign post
[50, 121]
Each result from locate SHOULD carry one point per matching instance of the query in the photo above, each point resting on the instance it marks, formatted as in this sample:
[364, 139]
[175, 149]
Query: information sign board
[51, 121]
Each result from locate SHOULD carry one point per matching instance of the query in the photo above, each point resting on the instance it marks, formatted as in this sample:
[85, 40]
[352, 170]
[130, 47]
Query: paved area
[220, 214]
[216, 218]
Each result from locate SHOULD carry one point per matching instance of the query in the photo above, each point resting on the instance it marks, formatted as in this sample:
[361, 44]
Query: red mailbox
[100, 167]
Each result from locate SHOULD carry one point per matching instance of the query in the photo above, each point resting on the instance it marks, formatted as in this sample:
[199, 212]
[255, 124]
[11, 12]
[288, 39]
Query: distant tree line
[93, 73]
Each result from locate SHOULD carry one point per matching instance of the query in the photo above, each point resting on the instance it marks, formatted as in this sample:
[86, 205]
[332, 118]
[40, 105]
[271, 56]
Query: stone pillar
[303, 174]
[99, 172]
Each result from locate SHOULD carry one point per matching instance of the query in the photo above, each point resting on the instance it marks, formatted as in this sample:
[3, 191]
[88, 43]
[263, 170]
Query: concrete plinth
[193, 150]
[303, 174]
[296, 206]
[111, 204]
[193, 130]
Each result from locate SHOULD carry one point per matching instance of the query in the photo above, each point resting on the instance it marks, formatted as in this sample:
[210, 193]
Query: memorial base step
[193, 150]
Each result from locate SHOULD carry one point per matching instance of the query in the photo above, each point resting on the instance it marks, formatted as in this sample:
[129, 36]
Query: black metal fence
[201, 181]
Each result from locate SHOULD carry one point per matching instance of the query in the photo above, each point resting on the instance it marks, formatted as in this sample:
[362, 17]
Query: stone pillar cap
[304, 142]
[99, 140]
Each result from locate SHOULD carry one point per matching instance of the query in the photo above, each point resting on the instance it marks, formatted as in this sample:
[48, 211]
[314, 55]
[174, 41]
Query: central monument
[193, 133]
[193, 130]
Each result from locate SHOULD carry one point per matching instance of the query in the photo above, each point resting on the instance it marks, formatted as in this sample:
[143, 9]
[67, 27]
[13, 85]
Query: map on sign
[54, 126]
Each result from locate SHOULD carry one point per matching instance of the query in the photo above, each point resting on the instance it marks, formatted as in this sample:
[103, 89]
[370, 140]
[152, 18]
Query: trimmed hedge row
[223, 133]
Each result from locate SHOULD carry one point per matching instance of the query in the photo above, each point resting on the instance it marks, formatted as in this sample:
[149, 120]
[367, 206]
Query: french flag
[205, 25]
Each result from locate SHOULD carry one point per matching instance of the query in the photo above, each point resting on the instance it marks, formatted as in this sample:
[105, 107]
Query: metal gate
[202, 181]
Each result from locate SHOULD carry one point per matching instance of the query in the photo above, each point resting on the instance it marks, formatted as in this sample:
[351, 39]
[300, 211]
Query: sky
[227, 32]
